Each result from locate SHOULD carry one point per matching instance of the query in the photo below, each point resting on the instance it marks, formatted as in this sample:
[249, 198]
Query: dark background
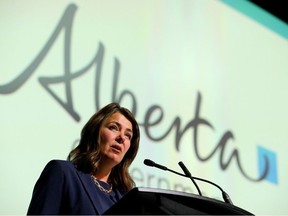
[278, 8]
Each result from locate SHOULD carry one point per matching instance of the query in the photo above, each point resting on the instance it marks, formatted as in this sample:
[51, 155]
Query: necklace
[95, 180]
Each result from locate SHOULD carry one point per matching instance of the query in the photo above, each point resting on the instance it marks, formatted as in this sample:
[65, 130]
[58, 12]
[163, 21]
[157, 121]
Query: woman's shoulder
[60, 165]
[58, 162]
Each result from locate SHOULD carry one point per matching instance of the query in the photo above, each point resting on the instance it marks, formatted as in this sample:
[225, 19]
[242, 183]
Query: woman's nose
[120, 138]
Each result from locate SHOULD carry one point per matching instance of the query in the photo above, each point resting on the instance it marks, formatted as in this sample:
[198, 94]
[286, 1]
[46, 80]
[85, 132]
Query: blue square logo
[272, 175]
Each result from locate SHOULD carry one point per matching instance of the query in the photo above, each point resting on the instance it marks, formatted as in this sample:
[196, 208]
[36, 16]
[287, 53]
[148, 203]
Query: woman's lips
[116, 148]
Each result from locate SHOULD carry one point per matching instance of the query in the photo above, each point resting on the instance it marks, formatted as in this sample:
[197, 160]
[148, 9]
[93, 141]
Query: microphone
[225, 196]
[151, 163]
[187, 173]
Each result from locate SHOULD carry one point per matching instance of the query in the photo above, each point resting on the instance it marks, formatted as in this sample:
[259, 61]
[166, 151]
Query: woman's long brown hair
[87, 154]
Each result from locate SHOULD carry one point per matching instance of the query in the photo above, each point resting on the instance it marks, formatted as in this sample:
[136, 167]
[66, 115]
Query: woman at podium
[95, 176]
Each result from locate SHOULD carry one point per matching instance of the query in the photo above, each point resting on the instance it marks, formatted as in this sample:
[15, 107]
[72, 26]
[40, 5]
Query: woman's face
[115, 137]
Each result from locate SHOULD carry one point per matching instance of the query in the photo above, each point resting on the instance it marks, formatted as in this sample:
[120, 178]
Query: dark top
[63, 189]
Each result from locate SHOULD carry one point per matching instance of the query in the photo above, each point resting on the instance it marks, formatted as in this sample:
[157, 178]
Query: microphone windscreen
[149, 162]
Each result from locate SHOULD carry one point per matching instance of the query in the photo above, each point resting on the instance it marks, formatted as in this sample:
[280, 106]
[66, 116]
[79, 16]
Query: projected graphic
[206, 80]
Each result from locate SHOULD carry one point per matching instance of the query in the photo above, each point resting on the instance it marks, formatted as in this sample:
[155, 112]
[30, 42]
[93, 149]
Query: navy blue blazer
[62, 189]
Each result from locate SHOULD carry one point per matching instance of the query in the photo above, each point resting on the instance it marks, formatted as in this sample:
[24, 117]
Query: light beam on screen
[260, 15]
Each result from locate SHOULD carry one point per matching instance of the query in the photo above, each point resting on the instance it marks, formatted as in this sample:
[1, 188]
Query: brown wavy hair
[87, 154]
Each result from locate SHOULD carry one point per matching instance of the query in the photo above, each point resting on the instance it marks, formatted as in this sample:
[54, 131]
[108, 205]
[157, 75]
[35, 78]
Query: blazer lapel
[89, 187]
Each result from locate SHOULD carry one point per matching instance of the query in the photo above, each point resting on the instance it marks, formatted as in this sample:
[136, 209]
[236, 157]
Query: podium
[148, 201]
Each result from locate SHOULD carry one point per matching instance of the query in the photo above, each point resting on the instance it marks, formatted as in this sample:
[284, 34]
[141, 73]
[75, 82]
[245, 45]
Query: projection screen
[206, 80]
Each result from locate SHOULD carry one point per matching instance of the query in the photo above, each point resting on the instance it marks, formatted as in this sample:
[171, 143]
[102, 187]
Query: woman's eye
[113, 127]
[129, 136]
